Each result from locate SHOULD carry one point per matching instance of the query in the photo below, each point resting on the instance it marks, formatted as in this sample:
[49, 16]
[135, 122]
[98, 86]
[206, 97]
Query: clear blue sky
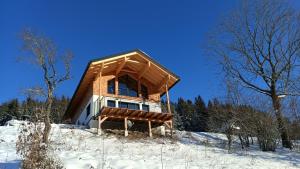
[171, 32]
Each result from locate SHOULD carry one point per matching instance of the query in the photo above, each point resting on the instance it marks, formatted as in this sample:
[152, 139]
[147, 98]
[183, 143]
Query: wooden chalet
[125, 86]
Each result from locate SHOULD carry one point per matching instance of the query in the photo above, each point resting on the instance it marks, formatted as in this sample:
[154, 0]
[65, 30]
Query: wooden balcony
[114, 113]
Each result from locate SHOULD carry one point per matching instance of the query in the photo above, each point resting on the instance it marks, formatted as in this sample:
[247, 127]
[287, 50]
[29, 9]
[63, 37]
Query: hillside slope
[80, 148]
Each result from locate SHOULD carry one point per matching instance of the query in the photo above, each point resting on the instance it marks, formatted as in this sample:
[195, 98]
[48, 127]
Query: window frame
[128, 86]
[88, 110]
[136, 106]
[111, 101]
[111, 85]
[145, 105]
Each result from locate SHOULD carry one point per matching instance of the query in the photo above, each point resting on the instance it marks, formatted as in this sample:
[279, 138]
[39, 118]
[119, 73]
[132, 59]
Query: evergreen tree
[14, 108]
[186, 110]
[201, 115]
[177, 119]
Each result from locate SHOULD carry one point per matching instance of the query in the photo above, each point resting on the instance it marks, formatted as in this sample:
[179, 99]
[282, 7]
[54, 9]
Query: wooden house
[125, 86]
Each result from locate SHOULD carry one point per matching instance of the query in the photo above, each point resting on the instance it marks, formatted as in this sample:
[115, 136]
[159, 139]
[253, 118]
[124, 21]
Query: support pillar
[99, 86]
[117, 85]
[150, 130]
[162, 130]
[168, 99]
[125, 126]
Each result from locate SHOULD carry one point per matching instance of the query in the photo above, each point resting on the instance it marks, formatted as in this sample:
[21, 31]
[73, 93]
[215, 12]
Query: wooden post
[99, 85]
[168, 99]
[125, 125]
[117, 85]
[99, 131]
[149, 126]
[139, 88]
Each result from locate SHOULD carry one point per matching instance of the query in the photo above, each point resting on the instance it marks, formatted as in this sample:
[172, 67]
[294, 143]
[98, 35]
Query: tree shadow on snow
[281, 154]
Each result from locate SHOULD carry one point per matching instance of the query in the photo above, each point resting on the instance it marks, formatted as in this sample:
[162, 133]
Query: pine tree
[177, 119]
[201, 115]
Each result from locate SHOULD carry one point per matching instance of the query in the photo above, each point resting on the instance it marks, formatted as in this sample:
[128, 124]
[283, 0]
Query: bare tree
[259, 44]
[43, 53]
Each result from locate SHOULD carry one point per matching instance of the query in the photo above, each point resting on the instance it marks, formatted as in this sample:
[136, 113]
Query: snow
[78, 147]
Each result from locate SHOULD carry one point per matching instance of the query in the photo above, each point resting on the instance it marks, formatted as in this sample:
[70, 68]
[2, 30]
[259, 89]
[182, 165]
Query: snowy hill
[80, 148]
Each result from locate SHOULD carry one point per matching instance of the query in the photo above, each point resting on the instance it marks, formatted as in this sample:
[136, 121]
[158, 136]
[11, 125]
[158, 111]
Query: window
[145, 107]
[133, 106]
[111, 86]
[111, 103]
[128, 86]
[144, 92]
[88, 110]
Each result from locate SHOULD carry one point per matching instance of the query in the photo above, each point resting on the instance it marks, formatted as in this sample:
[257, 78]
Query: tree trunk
[47, 118]
[286, 142]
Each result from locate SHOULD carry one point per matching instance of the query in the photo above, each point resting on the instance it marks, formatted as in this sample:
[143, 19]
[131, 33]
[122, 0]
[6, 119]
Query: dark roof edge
[76, 90]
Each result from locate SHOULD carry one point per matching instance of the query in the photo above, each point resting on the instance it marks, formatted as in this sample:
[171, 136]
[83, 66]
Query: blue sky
[171, 32]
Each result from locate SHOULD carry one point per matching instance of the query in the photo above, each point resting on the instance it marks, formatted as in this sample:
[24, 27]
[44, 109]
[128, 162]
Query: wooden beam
[128, 71]
[139, 88]
[166, 123]
[144, 70]
[133, 61]
[115, 58]
[111, 62]
[123, 62]
[149, 126]
[125, 126]
[103, 120]
[99, 85]
[117, 85]
[164, 82]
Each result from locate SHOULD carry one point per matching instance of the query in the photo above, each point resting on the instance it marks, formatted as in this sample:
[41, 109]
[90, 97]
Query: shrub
[267, 133]
[33, 151]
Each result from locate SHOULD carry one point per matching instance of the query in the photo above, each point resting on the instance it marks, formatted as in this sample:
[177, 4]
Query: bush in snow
[267, 133]
[30, 146]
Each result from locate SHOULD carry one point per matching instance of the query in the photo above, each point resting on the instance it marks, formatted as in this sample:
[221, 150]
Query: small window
[111, 86]
[145, 107]
[123, 105]
[88, 110]
[132, 106]
[144, 92]
[111, 103]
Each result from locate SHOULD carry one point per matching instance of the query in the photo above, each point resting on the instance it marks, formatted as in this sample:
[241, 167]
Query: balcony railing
[102, 102]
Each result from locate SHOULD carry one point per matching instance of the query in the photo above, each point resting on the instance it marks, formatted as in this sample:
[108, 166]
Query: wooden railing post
[125, 126]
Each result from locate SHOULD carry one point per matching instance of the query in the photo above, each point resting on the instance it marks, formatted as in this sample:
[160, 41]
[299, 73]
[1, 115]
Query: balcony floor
[121, 113]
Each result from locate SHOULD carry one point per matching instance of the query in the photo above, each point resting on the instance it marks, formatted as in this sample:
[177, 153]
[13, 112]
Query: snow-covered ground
[81, 148]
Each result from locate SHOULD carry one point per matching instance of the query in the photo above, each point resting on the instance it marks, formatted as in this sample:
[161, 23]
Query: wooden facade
[101, 81]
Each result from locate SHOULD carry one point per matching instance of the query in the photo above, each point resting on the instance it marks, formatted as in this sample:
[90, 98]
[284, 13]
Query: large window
[133, 106]
[128, 86]
[111, 86]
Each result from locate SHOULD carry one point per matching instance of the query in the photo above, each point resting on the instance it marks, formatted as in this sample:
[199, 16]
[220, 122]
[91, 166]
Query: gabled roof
[134, 60]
